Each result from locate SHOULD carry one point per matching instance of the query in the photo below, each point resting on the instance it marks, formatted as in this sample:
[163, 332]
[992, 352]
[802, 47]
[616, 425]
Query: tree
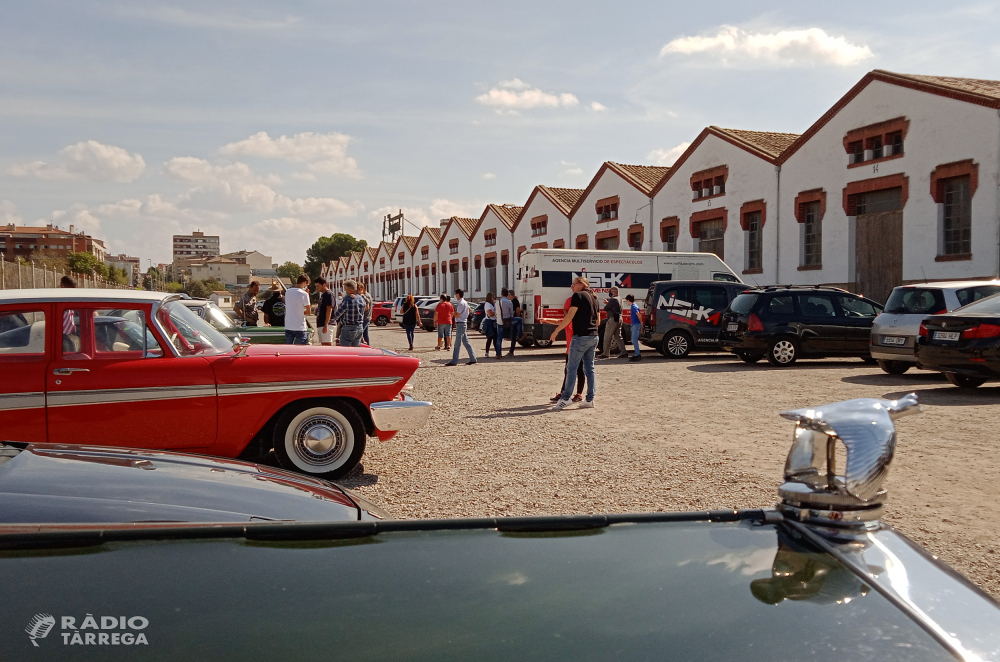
[82, 262]
[200, 289]
[330, 248]
[290, 270]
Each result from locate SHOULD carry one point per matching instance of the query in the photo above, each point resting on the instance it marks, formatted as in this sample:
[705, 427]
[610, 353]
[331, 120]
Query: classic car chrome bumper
[405, 414]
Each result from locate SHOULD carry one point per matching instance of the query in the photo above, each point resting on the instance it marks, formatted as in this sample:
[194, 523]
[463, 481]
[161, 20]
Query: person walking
[350, 316]
[583, 315]
[489, 326]
[461, 324]
[369, 307]
[613, 328]
[505, 323]
[324, 312]
[444, 313]
[410, 318]
[296, 308]
[633, 314]
[580, 376]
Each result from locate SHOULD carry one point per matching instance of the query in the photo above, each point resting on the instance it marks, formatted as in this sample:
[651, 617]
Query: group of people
[448, 317]
[502, 317]
[350, 311]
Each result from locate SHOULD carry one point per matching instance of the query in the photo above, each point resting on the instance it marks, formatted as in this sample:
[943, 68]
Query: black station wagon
[682, 316]
[785, 324]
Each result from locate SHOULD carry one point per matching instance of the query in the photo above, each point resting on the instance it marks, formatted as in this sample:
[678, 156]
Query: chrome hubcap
[784, 351]
[677, 345]
[319, 440]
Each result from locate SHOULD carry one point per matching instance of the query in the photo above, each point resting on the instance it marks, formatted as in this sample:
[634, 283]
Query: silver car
[894, 333]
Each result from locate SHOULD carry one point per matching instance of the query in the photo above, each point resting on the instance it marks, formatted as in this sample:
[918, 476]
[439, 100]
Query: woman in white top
[489, 327]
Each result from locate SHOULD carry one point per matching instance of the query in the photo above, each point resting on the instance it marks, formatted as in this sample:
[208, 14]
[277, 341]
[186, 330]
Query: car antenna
[924, 275]
[755, 283]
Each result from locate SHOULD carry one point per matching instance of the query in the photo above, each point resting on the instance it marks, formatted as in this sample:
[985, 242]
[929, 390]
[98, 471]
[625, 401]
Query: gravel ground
[671, 435]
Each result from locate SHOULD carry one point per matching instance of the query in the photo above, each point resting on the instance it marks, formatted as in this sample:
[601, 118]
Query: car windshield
[219, 319]
[915, 301]
[743, 303]
[987, 306]
[189, 334]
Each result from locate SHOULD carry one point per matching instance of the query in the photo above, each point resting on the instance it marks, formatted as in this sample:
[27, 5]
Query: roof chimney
[445, 221]
[71, 228]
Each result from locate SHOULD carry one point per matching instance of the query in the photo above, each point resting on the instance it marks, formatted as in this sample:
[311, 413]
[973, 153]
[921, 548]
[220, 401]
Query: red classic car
[381, 313]
[140, 369]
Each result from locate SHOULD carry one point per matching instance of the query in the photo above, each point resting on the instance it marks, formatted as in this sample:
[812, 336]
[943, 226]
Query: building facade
[31, 242]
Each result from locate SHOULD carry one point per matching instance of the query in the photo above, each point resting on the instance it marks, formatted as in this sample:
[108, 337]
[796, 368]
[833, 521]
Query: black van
[681, 316]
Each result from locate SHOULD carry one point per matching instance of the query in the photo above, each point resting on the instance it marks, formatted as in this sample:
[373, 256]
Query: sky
[272, 124]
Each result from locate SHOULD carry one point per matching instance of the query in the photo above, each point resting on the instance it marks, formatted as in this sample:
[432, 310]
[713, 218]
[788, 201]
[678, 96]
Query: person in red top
[444, 312]
[580, 376]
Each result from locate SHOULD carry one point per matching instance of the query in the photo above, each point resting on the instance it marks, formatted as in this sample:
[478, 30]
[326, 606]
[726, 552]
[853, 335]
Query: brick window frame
[670, 221]
[609, 207]
[520, 249]
[453, 266]
[489, 256]
[582, 242]
[558, 243]
[746, 209]
[539, 225]
[708, 215]
[939, 175]
[633, 230]
[401, 257]
[608, 234]
[711, 177]
[434, 269]
[504, 257]
[478, 262]
[425, 252]
[854, 189]
[801, 200]
[465, 264]
[453, 246]
[545, 244]
[381, 263]
[490, 237]
[883, 132]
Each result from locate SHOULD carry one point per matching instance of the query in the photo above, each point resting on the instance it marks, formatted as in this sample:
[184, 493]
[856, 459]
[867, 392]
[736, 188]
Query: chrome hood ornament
[813, 490]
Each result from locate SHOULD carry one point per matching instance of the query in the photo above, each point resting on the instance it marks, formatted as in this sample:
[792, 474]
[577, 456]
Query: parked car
[963, 344]
[417, 301]
[820, 570]
[426, 311]
[71, 483]
[893, 340]
[381, 313]
[255, 335]
[141, 369]
[477, 315]
[785, 324]
[683, 316]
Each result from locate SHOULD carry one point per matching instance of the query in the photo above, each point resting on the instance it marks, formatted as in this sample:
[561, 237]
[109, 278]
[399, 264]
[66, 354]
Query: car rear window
[743, 303]
[968, 295]
[782, 305]
[986, 306]
[915, 301]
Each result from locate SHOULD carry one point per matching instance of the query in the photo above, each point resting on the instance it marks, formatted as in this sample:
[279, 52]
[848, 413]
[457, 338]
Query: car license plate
[732, 327]
[946, 335]
[893, 340]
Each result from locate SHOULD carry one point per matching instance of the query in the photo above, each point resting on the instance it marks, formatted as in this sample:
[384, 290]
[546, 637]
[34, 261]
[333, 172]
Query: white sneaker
[559, 406]
[587, 404]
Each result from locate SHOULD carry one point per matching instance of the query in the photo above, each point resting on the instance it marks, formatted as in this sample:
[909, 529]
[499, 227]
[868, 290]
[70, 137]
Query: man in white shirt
[296, 309]
[461, 323]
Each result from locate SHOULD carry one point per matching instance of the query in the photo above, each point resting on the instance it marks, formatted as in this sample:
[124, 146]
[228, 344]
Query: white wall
[558, 225]
[750, 178]
[941, 130]
[433, 256]
[631, 200]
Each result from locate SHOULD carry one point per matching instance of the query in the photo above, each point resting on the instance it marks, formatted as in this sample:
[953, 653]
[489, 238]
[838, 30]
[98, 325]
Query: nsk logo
[605, 280]
[41, 625]
[684, 309]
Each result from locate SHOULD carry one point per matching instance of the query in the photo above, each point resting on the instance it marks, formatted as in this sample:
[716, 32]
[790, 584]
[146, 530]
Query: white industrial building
[882, 190]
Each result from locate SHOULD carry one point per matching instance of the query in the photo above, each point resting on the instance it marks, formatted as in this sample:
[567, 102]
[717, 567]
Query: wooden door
[879, 244]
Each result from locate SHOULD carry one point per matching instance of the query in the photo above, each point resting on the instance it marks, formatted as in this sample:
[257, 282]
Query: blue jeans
[581, 348]
[636, 328]
[296, 337]
[364, 332]
[499, 341]
[410, 328]
[517, 329]
[489, 329]
[350, 335]
[462, 338]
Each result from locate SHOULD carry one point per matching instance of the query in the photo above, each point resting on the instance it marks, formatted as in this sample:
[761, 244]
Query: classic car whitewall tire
[324, 440]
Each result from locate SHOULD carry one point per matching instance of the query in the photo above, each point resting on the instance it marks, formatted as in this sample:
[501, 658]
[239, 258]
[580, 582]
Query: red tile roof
[642, 177]
[507, 213]
[769, 142]
[466, 225]
[989, 89]
[435, 234]
[411, 242]
[564, 198]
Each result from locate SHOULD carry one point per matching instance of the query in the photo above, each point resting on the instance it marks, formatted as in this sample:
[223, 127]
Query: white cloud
[88, 160]
[8, 213]
[154, 206]
[597, 107]
[571, 168]
[489, 175]
[666, 157]
[514, 95]
[80, 218]
[186, 18]
[325, 153]
[318, 206]
[808, 46]
[441, 208]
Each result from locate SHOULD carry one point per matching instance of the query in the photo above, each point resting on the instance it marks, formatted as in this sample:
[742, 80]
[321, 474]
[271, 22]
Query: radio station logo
[92, 631]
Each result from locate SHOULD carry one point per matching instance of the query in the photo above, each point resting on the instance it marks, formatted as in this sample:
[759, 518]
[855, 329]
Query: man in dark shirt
[613, 328]
[517, 324]
[274, 307]
[583, 315]
[324, 312]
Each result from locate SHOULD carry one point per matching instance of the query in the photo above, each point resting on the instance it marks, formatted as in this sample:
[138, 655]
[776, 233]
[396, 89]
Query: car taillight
[651, 316]
[982, 331]
[753, 324]
[922, 332]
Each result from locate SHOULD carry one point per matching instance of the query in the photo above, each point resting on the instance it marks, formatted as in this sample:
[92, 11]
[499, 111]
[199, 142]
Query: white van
[545, 276]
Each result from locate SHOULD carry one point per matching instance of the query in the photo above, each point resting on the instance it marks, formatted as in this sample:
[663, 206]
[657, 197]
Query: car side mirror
[240, 346]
